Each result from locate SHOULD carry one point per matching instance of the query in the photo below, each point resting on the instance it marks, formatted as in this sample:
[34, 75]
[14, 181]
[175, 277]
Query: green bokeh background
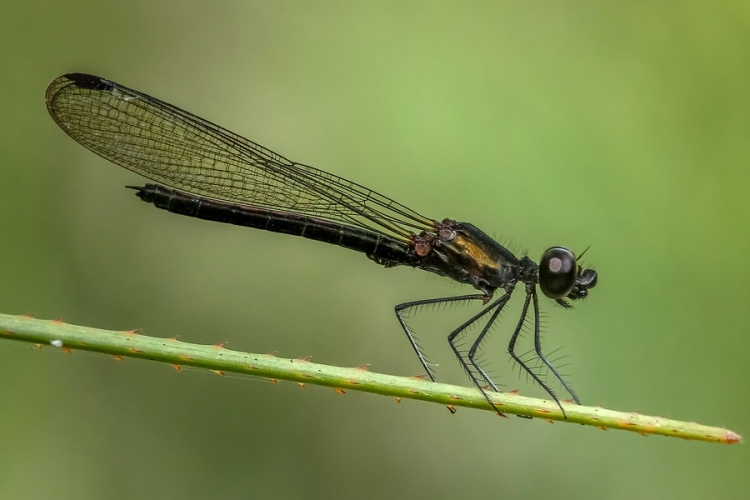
[623, 125]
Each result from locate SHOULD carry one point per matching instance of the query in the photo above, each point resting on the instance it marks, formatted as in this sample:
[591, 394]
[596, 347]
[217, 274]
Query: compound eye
[558, 271]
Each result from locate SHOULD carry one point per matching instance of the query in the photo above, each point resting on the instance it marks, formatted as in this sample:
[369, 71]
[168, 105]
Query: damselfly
[208, 172]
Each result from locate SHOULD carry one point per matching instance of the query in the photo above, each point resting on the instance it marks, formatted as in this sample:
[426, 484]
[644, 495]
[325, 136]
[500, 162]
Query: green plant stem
[131, 344]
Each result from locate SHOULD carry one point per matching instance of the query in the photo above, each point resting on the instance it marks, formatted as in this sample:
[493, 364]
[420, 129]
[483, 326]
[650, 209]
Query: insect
[208, 172]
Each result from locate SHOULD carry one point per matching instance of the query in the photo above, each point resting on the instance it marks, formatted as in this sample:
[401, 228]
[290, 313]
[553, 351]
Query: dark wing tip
[78, 80]
[83, 80]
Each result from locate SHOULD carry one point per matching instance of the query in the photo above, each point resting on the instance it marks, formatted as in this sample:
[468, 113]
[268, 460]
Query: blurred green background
[620, 125]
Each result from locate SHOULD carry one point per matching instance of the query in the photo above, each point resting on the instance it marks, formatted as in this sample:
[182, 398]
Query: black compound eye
[558, 271]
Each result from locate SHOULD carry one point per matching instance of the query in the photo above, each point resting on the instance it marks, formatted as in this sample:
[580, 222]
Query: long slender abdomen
[379, 247]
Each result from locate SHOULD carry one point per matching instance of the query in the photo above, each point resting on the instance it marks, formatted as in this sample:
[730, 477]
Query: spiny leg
[402, 308]
[538, 349]
[530, 292]
[478, 342]
[497, 306]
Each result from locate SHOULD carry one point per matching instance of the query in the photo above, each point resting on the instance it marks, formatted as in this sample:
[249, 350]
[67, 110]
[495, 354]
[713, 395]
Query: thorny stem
[130, 344]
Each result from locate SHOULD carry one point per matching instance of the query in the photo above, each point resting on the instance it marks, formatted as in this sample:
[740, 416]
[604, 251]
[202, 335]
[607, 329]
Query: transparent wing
[180, 150]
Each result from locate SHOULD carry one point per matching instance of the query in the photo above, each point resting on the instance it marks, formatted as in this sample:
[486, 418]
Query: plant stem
[218, 359]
